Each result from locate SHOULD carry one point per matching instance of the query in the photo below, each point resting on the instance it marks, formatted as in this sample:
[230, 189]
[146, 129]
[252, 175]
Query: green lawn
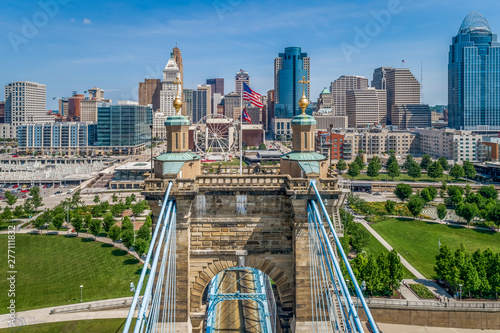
[403, 177]
[375, 247]
[50, 270]
[417, 241]
[80, 326]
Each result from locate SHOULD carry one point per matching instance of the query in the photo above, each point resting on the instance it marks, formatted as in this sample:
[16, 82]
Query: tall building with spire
[473, 76]
[169, 90]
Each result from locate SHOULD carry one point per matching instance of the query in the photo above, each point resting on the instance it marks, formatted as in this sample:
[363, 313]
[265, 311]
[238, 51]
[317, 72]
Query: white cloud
[86, 21]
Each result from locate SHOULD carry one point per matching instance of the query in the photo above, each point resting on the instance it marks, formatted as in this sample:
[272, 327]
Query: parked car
[25, 191]
[24, 196]
[16, 186]
[58, 192]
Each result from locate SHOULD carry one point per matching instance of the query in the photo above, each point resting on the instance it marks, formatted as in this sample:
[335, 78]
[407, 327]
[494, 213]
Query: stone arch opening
[283, 282]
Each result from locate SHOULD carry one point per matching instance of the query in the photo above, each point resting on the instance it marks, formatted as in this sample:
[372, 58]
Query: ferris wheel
[215, 137]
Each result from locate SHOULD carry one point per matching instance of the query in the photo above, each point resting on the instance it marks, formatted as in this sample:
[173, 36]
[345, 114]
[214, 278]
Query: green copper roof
[177, 120]
[309, 166]
[325, 91]
[303, 119]
[303, 156]
[177, 157]
[172, 167]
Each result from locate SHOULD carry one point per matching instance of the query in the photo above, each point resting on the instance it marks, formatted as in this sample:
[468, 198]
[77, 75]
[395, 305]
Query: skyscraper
[169, 90]
[241, 76]
[365, 107]
[402, 89]
[473, 76]
[149, 93]
[217, 86]
[25, 102]
[339, 88]
[380, 77]
[289, 68]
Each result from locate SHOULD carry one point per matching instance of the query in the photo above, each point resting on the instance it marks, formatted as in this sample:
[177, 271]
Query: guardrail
[95, 306]
[431, 304]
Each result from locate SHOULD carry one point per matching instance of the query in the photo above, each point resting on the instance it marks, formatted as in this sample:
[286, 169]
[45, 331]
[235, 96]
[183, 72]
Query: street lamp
[81, 293]
[460, 291]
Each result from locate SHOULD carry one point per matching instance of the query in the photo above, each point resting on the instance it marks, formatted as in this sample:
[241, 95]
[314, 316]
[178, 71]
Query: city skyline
[71, 57]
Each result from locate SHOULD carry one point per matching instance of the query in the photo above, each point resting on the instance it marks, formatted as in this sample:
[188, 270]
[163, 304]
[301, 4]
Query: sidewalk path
[41, 316]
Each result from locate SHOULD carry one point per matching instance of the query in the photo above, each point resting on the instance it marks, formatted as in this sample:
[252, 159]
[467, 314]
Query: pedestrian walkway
[433, 286]
[41, 316]
[442, 222]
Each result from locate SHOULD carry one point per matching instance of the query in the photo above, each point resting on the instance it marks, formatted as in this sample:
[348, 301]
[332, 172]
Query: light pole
[81, 293]
[460, 291]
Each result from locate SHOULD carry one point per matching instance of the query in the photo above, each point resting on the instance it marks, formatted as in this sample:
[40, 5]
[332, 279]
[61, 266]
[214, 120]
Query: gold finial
[303, 102]
[177, 101]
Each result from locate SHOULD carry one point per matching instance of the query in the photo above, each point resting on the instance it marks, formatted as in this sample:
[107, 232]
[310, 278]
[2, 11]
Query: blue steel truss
[215, 296]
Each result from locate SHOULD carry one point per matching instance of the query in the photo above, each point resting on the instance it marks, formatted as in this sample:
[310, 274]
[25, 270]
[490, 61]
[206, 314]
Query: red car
[16, 186]
[25, 191]
[24, 196]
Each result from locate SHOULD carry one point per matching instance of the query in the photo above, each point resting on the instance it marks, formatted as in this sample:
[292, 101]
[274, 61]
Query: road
[237, 316]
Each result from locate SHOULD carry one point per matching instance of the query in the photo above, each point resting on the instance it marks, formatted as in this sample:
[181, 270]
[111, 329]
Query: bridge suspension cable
[332, 306]
[156, 305]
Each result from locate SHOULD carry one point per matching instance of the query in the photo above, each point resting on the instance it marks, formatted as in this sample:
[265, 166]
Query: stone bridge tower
[251, 219]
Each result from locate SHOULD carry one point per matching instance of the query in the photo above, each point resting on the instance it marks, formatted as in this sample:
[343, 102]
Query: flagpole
[241, 129]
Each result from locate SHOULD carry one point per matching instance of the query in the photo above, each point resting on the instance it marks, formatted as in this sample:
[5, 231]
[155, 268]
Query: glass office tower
[124, 125]
[474, 76]
[289, 68]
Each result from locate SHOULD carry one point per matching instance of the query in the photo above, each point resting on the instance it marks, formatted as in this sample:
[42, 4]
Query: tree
[39, 223]
[384, 272]
[28, 207]
[493, 215]
[414, 170]
[425, 162]
[95, 228]
[58, 221]
[127, 224]
[468, 211]
[373, 168]
[18, 211]
[391, 159]
[468, 189]
[444, 264]
[425, 195]
[403, 191]
[341, 165]
[138, 208]
[395, 269]
[457, 171]
[115, 197]
[7, 214]
[97, 199]
[371, 274]
[441, 211]
[77, 223]
[76, 199]
[353, 170]
[435, 170]
[104, 206]
[11, 199]
[455, 195]
[393, 169]
[359, 161]
[444, 163]
[415, 205]
[488, 192]
[128, 202]
[262, 146]
[114, 233]
[149, 221]
[140, 246]
[144, 232]
[96, 211]
[360, 237]
[408, 162]
[133, 197]
[470, 171]
[127, 238]
[36, 198]
[108, 221]
[389, 206]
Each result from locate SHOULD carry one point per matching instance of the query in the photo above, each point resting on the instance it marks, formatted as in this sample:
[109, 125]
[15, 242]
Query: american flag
[403, 61]
[251, 96]
[246, 116]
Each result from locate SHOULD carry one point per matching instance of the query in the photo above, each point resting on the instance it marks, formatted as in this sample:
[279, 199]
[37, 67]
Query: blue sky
[113, 44]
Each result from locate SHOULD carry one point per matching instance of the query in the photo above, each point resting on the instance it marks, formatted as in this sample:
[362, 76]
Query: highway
[237, 316]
